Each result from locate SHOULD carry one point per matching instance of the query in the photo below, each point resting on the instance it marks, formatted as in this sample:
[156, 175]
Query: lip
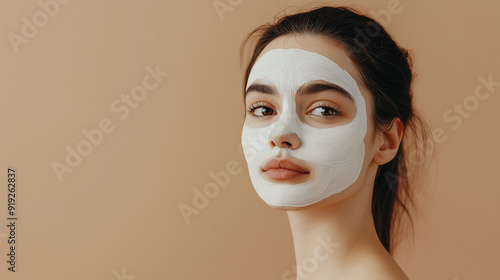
[284, 169]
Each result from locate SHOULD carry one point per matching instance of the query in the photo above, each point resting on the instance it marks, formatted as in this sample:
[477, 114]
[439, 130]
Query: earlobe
[389, 144]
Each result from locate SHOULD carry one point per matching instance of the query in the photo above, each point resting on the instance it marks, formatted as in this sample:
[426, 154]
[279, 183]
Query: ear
[388, 143]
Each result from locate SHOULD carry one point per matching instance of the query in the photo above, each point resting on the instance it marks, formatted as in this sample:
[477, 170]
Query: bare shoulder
[381, 266]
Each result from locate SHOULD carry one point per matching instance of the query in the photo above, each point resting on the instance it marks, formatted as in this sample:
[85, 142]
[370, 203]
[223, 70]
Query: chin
[327, 201]
[295, 208]
[287, 208]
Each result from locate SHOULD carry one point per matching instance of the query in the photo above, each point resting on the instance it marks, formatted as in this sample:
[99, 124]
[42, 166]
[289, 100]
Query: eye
[325, 110]
[260, 110]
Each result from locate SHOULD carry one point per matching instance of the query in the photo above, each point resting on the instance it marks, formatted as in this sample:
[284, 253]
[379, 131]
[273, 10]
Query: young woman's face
[308, 115]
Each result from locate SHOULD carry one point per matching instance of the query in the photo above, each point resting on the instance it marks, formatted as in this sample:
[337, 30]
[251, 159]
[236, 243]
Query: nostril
[290, 141]
[272, 144]
[287, 143]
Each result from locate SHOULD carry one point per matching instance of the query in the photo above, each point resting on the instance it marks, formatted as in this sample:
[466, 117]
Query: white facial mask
[335, 153]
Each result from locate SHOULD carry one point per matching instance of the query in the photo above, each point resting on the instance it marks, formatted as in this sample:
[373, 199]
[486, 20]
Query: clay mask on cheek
[335, 153]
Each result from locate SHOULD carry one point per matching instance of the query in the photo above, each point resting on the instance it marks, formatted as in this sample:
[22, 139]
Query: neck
[331, 239]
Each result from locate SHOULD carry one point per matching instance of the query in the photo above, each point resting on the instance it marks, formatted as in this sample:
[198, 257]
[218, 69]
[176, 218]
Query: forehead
[290, 70]
[318, 44]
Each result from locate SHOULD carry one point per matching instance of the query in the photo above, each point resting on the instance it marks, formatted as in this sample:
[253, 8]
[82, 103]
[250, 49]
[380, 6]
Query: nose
[290, 140]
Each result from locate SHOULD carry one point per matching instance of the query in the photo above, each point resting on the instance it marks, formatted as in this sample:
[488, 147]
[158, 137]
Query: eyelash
[334, 108]
[257, 105]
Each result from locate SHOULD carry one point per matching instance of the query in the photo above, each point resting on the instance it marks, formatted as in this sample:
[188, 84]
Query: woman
[328, 97]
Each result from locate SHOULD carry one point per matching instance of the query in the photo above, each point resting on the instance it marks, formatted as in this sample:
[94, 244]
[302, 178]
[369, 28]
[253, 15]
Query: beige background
[119, 208]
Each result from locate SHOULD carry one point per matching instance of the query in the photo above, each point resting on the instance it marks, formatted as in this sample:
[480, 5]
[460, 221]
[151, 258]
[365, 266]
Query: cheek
[254, 142]
[371, 141]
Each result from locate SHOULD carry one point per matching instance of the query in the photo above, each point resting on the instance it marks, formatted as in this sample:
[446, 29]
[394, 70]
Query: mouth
[282, 170]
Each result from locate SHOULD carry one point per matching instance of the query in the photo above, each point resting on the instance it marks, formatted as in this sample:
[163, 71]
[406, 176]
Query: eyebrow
[324, 86]
[261, 88]
[311, 88]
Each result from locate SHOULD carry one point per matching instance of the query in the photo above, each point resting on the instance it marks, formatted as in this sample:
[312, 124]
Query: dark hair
[386, 71]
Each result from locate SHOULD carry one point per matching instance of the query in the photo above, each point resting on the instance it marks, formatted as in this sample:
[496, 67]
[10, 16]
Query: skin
[344, 218]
